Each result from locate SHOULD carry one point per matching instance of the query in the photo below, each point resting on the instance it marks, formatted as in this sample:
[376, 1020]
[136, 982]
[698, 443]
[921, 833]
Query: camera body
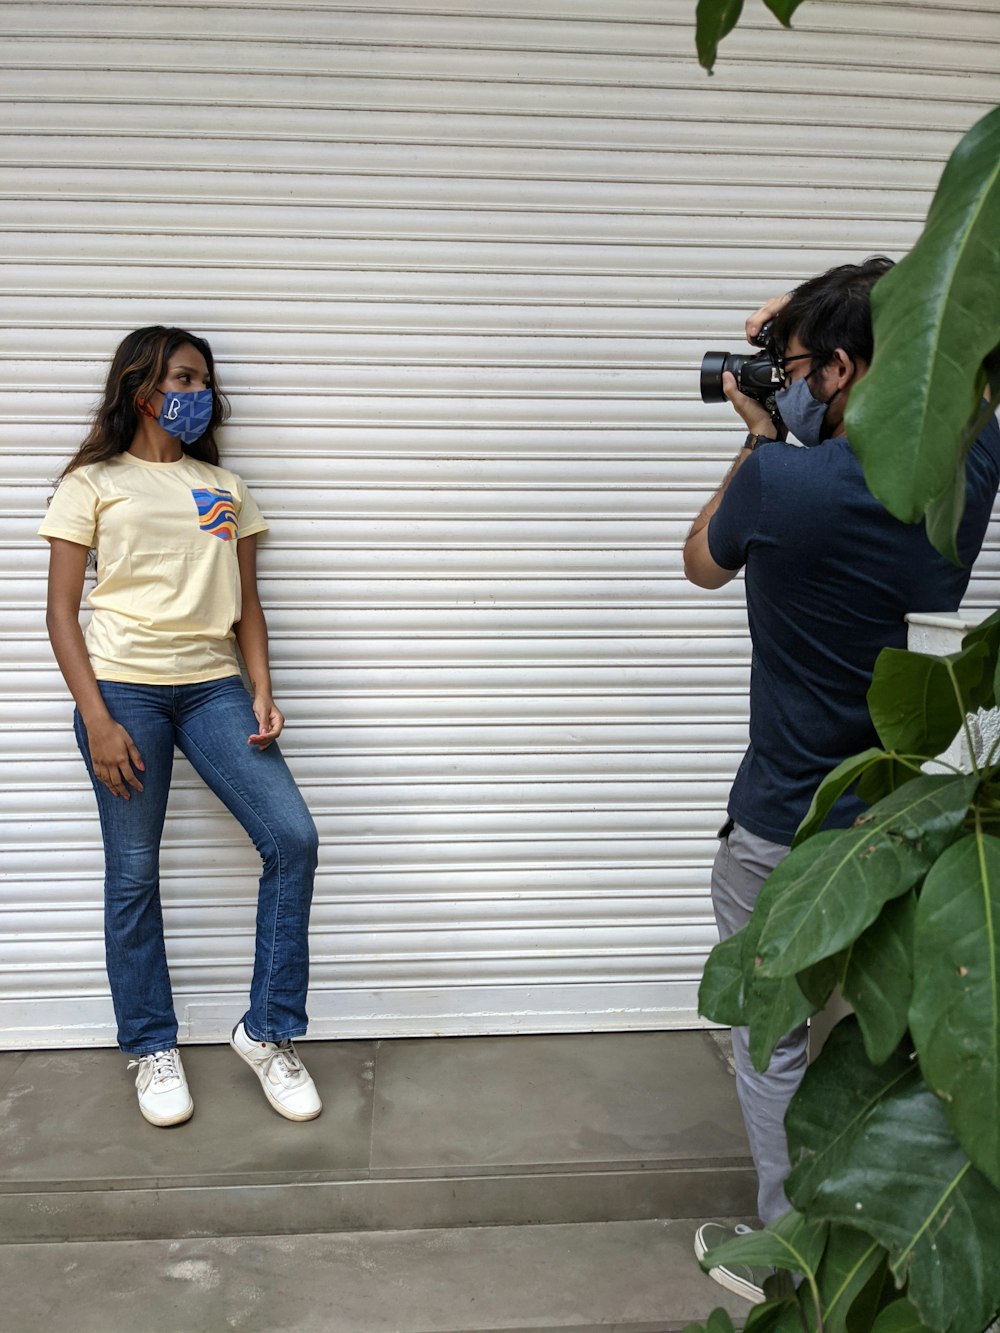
[759, 376]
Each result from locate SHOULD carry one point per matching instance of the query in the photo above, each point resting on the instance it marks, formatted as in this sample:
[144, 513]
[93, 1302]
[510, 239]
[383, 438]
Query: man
[830, 576]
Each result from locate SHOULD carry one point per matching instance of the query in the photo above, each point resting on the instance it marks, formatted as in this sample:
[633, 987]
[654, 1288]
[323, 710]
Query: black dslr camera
[759, 376]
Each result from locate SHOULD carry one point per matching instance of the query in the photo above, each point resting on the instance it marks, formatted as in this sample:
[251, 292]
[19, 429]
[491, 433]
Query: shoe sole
[164, 1122]
[725, 1278]
[281, 1110]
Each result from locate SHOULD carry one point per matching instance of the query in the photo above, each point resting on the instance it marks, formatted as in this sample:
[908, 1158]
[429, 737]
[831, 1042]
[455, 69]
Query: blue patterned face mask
[186, 415]
[802, 413]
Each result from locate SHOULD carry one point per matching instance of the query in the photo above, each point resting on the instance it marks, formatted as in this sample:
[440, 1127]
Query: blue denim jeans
[209, 722]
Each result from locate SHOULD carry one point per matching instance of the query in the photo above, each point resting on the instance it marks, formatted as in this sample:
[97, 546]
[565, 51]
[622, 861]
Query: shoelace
[164, 1065]
[742, 1229]
[288, 1059]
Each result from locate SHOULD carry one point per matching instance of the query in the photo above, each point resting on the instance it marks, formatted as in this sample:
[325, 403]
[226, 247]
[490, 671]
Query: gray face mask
[802, 413]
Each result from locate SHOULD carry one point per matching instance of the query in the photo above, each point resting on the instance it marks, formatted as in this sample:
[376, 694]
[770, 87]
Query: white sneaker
[743, 1279]
[164, 1098]
[284, 1078]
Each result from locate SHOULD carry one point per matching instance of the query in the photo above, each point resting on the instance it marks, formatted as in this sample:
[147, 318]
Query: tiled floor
[431, 1159]
[626, 1277]
[600, 1098]
[390, 1106]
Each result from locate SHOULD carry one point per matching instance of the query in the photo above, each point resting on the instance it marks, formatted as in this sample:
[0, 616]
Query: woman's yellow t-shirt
[168, 584]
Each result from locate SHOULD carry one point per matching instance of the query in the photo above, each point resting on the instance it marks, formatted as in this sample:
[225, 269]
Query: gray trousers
[742, 864]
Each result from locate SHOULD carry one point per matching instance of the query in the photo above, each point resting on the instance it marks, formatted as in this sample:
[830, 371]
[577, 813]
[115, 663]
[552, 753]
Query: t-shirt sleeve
[250, 518]
[72, 512]
[734, 523]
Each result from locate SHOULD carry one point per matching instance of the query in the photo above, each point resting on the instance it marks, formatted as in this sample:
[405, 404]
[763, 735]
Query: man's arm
[699, 567]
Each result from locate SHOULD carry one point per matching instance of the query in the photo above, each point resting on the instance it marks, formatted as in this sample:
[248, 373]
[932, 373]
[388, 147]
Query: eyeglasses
[784, 361]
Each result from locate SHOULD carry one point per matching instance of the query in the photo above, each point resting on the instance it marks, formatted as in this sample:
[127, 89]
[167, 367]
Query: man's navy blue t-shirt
[830, 576]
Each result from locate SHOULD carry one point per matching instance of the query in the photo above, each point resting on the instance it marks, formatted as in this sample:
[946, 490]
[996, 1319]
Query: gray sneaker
[742, 1279]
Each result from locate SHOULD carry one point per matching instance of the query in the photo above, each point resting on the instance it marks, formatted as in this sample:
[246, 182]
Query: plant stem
[817, 1305]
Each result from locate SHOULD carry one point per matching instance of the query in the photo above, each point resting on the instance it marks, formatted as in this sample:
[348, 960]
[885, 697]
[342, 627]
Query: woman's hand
[269, 719]
[251, 635]
[114, 756]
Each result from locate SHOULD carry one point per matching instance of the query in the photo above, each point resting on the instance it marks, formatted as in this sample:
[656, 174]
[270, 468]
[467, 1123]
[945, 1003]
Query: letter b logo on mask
[186, 415]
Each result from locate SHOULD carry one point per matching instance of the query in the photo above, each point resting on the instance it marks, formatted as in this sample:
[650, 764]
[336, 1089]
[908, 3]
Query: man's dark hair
[833, 310]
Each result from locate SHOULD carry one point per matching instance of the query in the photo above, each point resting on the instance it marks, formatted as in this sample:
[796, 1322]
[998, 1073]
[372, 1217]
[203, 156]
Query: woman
[175, 538]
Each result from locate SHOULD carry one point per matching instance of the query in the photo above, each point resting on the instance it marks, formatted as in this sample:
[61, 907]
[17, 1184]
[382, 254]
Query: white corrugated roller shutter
[459, 263]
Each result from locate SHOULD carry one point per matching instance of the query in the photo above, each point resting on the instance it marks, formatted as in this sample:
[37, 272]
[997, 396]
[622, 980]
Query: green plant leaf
[889, 1164]
[833, 786]
[840, 1090]
[817, 983]
[955, 1013]
[780, 1286]
[834, 886]
[783, 10]
[724, 990]
[731, 991]
[878, 982]
[878, 1292]
[944, 514]
[733, 994]
[918, 702]
[792, 1242]
[988, 806]
[883, 779]
[850, 1261]
[936, 319]
[988, 632]
[718, 1322]
[714, 19]
[899, 1317]
[776, 1008]
[776, 1315]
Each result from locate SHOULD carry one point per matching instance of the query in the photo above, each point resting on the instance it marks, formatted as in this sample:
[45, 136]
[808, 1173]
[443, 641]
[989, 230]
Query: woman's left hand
[269, 719]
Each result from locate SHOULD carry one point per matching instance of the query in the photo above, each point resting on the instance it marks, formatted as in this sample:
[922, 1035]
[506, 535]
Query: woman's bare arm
[251, 635]
[112, 752]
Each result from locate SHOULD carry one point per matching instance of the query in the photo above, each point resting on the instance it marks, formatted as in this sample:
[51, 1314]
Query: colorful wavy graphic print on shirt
[216, 513]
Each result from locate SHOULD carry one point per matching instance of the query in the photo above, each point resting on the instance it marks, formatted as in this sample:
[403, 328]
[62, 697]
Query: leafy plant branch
[894, 1134]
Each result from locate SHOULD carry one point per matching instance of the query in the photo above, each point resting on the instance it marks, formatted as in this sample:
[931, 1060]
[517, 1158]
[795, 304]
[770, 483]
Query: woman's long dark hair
[137, 368]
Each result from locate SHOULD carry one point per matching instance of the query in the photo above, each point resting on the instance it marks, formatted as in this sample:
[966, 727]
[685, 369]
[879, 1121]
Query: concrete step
[436, 1133]
[633, 1277]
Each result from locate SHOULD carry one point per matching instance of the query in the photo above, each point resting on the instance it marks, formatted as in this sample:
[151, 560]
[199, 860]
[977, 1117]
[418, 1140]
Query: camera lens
[713, 366]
